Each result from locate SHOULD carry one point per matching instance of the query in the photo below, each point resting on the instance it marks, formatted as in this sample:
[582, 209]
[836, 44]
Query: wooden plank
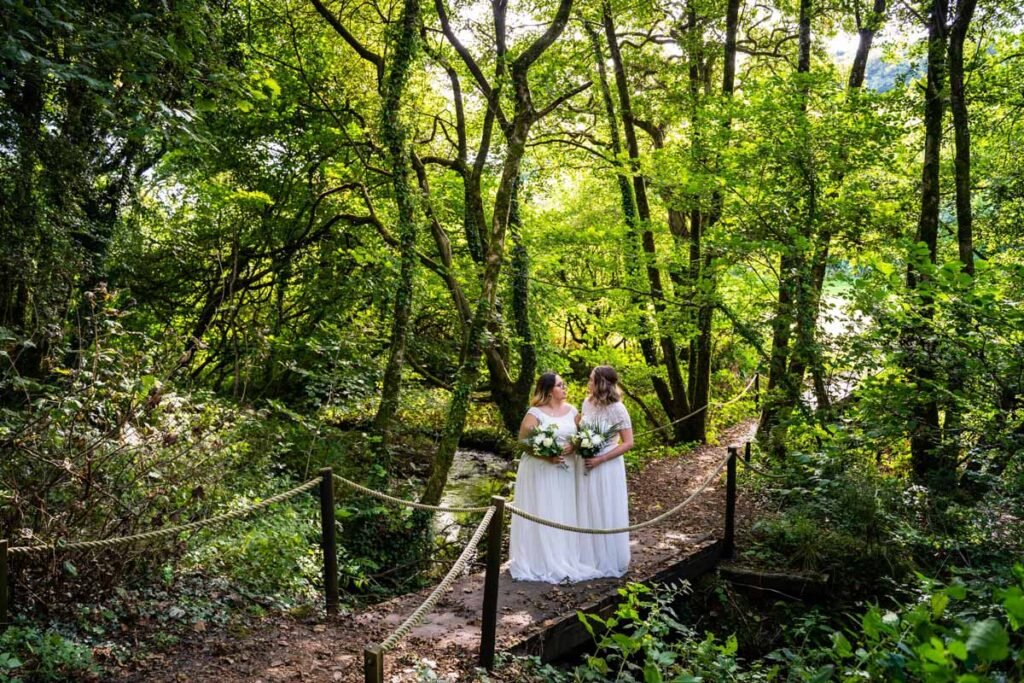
[729, 541]
[3, 583]
[373, 664]
[774, 585]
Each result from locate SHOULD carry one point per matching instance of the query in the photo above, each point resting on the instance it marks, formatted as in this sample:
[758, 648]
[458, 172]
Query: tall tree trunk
[21, 222]
[469, 371]
[925, 438]
[783, 387]
[673, 397]
[961, 135]
[627, 195]
[964, 216]
[394, 137]
[866, 30]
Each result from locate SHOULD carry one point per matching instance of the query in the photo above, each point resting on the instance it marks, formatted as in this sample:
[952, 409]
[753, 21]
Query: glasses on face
[560, 385]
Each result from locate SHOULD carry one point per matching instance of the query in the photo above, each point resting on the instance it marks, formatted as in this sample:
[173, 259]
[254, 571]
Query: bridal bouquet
[543, 442]
[591, 438]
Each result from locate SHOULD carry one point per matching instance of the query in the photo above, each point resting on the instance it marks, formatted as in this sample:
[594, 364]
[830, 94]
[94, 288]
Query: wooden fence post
[3, 583]
[728, 543]
[489, 618]
[746, 452]
[373, 664]
[328, 540]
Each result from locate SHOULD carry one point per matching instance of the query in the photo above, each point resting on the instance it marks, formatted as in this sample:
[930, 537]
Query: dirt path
[283, 649]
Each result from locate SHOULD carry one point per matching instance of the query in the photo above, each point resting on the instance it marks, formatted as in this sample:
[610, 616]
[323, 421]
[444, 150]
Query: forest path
[318, 649]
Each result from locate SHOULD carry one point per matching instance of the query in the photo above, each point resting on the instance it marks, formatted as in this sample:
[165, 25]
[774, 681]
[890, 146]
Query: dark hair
[542, 391]
[606, 385]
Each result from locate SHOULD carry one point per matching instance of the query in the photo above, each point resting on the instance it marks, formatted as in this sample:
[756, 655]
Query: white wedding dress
[601, 498]
[538, 552]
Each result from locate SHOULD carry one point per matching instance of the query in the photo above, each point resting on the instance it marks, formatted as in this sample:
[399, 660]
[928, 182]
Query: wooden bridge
[529, 617]
[472, 616]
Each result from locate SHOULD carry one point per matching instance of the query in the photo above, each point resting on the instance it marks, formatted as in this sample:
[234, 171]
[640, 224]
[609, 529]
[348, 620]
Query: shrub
[27, 652]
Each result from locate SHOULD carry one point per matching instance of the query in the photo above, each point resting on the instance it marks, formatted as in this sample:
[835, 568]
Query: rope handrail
[704, 407]
[166, 531]
[406, 503]
[757, 470]
[460, 564]
[634, 527]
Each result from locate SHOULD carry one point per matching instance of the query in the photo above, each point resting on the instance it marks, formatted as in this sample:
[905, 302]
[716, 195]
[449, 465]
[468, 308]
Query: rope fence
[374, 655]
[757, 470]
[446, 583]
[402, 501]
[633, 527]
[166, 531]
[324, 481]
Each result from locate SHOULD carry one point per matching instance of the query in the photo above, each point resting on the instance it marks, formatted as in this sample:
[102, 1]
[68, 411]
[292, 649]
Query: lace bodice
[612, 415]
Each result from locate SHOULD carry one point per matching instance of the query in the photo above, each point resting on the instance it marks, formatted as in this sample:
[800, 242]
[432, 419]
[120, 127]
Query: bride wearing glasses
[546, 487]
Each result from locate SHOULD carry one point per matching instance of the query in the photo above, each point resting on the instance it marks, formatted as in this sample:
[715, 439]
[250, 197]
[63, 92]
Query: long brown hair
[606, 385]
[542, 391]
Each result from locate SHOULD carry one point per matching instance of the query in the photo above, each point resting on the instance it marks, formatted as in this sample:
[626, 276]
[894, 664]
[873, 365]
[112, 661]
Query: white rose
[548, 441]
[598, 440]
[586, 443]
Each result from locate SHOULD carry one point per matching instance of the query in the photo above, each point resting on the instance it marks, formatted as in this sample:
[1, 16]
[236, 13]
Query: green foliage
[27, 653]
[111, 430]
[955, 632]
[840, 519]
[203, 242]
[274, 554]
[644, 641]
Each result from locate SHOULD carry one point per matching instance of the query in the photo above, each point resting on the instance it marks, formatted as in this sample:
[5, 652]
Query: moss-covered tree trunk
[511, 394]
[918, 345]
[394, 137]
[953, 425]
[516, 134]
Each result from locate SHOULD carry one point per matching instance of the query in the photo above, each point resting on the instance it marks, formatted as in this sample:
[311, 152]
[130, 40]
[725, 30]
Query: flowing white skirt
[538, 552]
[602, 503]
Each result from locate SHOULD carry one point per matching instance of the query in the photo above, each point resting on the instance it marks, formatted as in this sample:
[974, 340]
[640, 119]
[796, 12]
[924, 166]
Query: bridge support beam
[328, 540]
[489, 618]
[728, 539]
[3, 585]
[373, 664]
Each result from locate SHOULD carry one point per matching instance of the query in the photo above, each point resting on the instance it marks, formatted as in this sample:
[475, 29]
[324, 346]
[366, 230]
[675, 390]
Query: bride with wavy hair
[601, 498]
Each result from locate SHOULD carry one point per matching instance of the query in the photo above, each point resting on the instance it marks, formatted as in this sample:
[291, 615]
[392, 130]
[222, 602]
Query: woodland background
[244, 240]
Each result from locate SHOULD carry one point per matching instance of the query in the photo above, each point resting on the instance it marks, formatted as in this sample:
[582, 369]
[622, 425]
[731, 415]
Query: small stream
[474, 477]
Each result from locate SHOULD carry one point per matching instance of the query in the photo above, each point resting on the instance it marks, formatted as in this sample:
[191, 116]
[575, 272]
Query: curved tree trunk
[512, 395]
[516, 134]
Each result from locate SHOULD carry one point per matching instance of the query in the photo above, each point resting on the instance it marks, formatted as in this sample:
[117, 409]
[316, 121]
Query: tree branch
[560, 99]
[361, 50]
[524, 61]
